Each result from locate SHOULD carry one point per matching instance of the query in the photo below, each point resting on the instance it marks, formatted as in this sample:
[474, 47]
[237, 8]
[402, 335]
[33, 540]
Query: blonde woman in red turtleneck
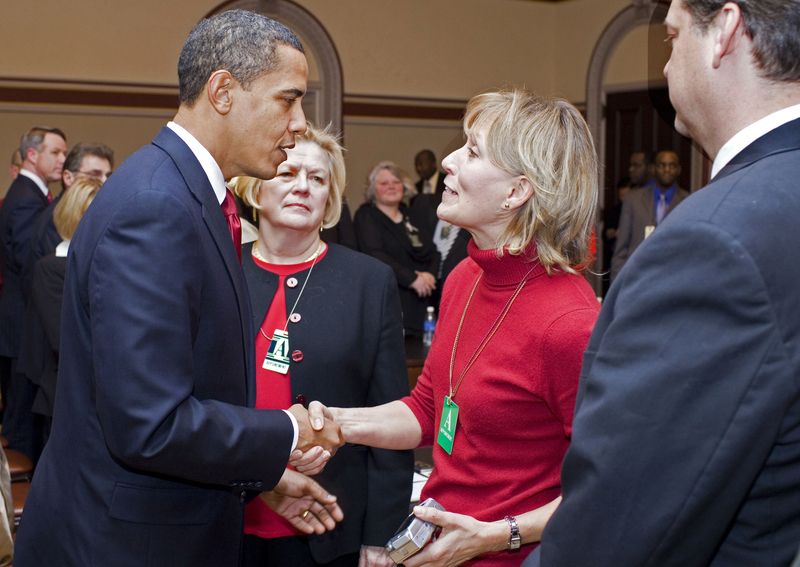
[497, 393]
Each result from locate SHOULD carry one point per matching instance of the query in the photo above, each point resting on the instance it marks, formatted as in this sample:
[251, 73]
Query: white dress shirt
[751, 133]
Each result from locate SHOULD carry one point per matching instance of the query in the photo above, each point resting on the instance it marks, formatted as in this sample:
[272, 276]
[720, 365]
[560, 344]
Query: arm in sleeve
[389, 473]
[680, 403]
[145, 298]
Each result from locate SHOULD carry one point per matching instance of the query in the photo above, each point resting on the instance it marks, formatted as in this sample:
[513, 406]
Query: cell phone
[412, 535]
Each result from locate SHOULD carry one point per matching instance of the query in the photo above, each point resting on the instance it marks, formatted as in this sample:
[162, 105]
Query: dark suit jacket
[423, 205]
[387, 241]
[22, 205]
[44, 240]
[351, 337]
[686, 440]
[637, 213]
[153, 445]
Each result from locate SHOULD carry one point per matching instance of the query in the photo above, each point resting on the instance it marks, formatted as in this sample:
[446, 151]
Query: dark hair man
[646, 207]
[43, 150]
[154, 434]
[686, 440]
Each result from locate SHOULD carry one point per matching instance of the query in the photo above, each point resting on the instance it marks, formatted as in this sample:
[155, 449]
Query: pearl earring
[506, 205]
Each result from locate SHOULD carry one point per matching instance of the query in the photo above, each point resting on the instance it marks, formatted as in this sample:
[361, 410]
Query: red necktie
[49, 197]
[234, 224]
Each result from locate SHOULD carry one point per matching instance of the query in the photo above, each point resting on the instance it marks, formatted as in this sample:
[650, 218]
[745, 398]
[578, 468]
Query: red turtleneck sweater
[516, 401]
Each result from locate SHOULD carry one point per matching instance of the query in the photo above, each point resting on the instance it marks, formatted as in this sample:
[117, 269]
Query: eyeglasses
[96, 173]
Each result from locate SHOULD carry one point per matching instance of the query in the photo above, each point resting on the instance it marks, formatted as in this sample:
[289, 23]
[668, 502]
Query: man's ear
[727, 31]
[219, 90]
[521, 191]
[68, 178]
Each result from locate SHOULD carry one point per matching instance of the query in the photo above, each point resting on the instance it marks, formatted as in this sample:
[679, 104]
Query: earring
[506, 205]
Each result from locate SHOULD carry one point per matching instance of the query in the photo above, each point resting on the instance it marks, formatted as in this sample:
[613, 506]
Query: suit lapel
[199, 185]
[782, 139]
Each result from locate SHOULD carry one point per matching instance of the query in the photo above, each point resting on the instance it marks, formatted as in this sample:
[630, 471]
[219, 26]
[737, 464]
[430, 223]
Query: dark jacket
[351, 339]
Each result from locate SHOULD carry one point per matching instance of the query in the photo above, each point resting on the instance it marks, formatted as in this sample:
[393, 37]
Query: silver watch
[514, 539]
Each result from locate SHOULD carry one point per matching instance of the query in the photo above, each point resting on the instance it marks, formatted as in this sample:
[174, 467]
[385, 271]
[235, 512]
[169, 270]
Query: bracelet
[514, 538]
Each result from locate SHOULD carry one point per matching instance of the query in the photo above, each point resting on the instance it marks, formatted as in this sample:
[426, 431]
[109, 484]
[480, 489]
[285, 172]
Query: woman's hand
[311, 462]
[462, 538]
[373, 556]
[304, 503]
[424, 284]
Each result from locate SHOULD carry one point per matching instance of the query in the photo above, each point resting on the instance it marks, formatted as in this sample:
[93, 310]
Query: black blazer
[686, 439]
[22, 205]
[382, 238]
[152, 433]
[350, 334]
[44, 240]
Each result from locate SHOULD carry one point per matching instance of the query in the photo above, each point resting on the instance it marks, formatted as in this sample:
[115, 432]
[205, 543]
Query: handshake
[299, 499]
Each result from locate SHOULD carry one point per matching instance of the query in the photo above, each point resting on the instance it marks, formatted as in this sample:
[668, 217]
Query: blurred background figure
[330, 329]
[645, 208]
[386, 231]
[47, 289]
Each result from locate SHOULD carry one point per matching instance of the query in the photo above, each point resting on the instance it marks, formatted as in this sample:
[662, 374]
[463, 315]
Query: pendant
[277, 358]
[447, 425]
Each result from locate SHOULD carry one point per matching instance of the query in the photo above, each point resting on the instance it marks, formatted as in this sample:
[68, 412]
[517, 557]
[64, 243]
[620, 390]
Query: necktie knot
[231, 213]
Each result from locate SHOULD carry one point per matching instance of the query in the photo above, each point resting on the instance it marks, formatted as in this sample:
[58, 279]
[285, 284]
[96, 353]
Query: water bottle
[428, 327]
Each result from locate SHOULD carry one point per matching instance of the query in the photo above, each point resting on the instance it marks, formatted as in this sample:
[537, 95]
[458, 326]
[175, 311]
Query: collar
[669, 192]
[207, 161]
[506, 270]
[751, 133]
[62, 249]
[36, 179]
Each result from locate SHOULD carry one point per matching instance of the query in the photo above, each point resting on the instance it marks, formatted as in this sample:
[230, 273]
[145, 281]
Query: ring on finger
[305, 514]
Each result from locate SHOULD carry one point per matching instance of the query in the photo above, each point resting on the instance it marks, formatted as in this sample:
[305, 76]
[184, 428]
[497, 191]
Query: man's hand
[304, 503]
[316, 427]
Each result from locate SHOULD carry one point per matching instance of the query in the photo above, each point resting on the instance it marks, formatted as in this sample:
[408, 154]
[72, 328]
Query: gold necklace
[489, 334]
[257, 253]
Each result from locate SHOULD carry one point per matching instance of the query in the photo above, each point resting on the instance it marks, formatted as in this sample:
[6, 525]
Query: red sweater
[517, 400]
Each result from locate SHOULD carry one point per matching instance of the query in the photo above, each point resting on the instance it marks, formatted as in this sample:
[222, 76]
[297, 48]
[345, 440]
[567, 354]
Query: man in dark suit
[44, 150]
[430, 187]
[155, 444]
[686, 440]
[644, 209]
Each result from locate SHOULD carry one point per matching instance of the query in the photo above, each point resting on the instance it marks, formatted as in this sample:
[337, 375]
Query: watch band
[514, 538]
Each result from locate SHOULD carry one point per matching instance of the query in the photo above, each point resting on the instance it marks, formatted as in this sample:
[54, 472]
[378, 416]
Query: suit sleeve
[389, 473]
[680, 404]
[22, 220]
[146, 295]
[370, 241]
[622, 248]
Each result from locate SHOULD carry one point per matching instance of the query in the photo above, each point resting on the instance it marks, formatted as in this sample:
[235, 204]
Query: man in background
[43, 151]
[686, 440]
[645, 208]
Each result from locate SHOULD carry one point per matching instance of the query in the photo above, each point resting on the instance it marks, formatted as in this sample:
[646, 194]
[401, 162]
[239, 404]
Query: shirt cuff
[296, 430]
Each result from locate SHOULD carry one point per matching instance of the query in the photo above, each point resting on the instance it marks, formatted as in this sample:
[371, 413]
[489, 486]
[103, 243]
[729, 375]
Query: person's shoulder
[357, 263]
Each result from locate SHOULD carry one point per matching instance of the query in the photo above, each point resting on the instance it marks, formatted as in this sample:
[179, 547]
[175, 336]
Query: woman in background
[47, 292]
[329, 329]
[386, 232]
[497, 393]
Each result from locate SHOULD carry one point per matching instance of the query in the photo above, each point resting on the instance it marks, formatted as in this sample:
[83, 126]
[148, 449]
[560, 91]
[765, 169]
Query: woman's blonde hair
[247, 188]
[394, 169]
[72, 206]
[547, 141]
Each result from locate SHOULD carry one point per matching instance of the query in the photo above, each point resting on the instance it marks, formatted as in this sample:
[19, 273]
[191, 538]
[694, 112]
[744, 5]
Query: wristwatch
[514, 539]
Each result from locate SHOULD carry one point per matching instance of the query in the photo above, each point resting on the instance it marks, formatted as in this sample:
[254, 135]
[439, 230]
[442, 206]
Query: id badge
[447, 425]
[277, 358]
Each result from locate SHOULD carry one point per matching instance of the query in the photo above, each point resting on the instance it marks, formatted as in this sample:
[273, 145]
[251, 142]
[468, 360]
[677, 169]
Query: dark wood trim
[356, 105]
[84, 97]
[385, 110]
